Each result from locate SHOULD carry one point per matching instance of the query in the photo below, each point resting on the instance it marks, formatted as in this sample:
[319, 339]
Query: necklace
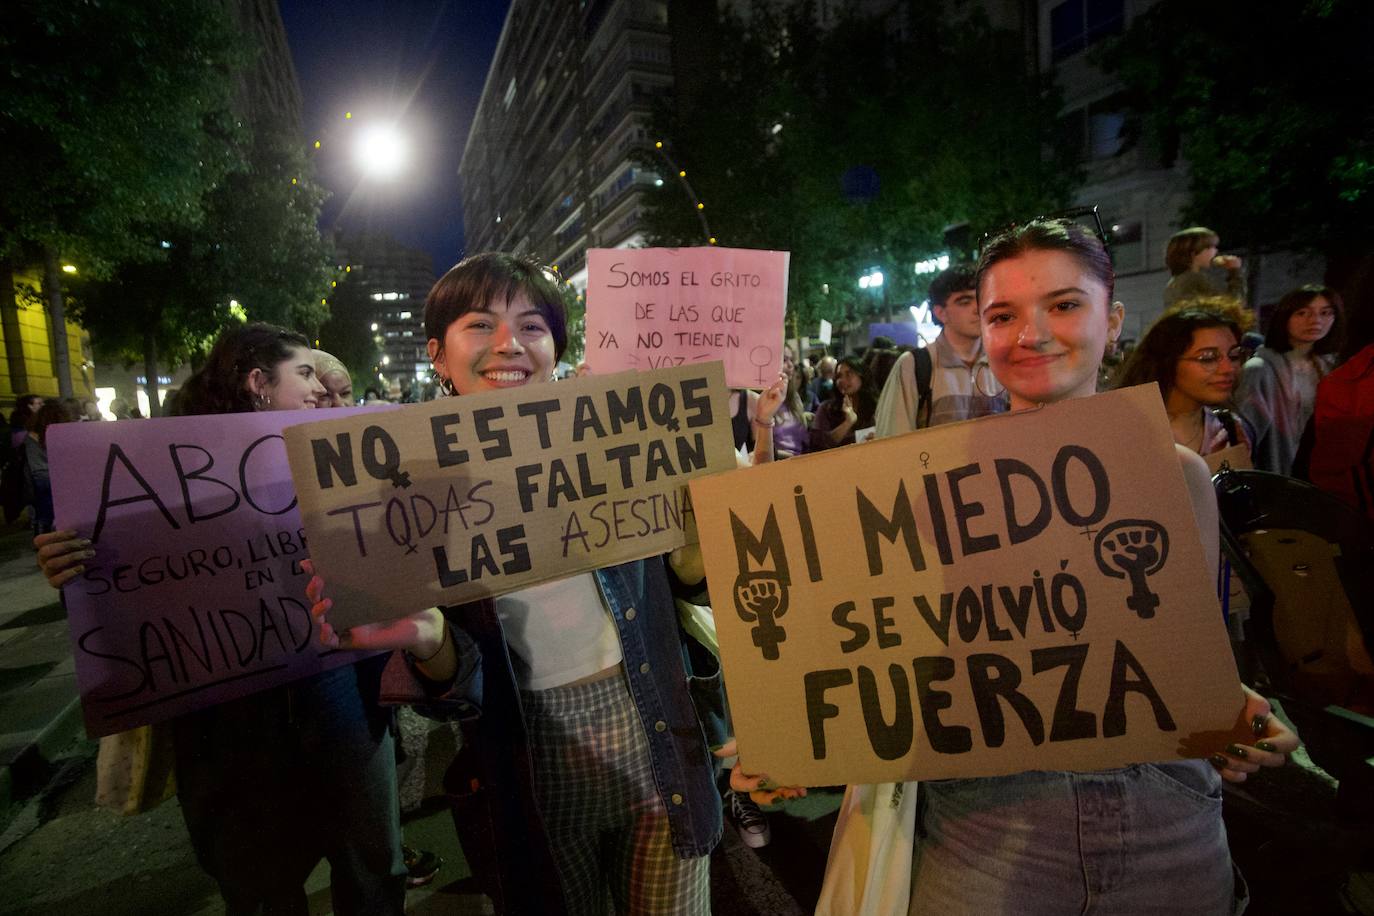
[1195, 432]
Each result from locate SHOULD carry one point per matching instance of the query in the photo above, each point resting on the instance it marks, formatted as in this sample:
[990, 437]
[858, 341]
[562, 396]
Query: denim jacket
[675, 684]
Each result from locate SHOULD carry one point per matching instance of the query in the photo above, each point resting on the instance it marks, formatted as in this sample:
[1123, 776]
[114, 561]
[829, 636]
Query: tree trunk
[9, 327]
[57, 316]
[150, 372]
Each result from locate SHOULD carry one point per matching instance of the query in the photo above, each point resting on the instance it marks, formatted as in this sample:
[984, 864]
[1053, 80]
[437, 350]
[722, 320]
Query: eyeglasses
[1209, 358]
[1071, 215]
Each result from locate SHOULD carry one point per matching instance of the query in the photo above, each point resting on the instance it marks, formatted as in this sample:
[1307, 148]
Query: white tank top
[558, 632]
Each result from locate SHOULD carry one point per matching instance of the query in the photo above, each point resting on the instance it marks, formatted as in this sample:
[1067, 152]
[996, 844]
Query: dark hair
[52, 411]
[484, 278]
[1063, 235]
[1155, 358]
[1184, 245]
[867, 399]
[23, 410]
[951, 280]
[220, 386]
[878, 363]
[1276, 335]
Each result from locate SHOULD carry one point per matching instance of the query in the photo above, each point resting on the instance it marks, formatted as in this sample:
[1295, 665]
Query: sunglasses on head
[1072, 215]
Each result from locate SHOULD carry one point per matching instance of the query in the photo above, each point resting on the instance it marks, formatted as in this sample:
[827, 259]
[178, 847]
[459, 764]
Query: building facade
[1140, 194]
[396, 280]
[547, 169]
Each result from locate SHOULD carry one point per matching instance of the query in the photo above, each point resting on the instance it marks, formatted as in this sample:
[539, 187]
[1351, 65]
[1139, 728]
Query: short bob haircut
[1074, 239]
[1155, 358]
[1276, 336]
[476, 282]
[220, 386]
[1184, 245]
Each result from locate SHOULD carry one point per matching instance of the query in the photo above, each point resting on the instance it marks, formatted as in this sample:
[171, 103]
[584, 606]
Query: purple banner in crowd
[195, 594]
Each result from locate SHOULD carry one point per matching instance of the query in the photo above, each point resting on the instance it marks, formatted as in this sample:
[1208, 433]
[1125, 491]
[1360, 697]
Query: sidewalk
[39, 710]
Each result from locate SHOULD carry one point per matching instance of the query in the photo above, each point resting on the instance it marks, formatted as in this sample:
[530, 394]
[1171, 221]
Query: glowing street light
[871, 280]
[381, 152]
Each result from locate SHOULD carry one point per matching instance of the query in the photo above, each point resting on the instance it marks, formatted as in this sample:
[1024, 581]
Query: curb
[30, 770]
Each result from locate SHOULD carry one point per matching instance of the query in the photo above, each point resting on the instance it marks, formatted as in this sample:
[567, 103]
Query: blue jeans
[1144, 839]
[272, 782]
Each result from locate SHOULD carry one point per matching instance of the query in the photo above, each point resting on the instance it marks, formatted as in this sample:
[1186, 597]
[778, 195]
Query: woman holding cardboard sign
[1147, 838]
[584, 780]
[271, 782]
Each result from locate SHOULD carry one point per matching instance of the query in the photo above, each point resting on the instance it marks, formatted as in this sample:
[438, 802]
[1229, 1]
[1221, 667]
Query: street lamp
[381, 151]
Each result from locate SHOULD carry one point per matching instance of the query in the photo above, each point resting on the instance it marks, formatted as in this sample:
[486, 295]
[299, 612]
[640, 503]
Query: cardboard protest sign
[195, 594]
[1236, 457]
[469, 497]
[1025, 591]
[653, 307]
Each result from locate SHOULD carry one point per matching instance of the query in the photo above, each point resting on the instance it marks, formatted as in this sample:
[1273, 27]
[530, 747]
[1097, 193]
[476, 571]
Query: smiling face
[1205, 382]
[293, 385]
[1312, 322]
[499, 345]
[1046, 322]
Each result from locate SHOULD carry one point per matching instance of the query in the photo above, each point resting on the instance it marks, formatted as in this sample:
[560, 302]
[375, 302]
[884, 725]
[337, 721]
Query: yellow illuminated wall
[30, 319]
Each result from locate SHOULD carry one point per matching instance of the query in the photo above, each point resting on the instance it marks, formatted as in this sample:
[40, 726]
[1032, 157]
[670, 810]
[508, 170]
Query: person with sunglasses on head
[1278, 386]
[1189, 255]
[1140, 839]
[1193, 354]
[949, 380]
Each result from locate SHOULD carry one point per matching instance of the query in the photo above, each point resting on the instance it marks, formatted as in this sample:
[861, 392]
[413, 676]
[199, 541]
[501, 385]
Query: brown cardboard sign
[1237, 457]
[470, 497]
[1024, 591]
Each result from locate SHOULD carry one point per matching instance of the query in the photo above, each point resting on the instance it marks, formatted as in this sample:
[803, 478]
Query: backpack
[924, 367]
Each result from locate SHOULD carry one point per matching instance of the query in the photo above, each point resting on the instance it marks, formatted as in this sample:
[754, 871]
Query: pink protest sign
[195, 594]
[650, 308]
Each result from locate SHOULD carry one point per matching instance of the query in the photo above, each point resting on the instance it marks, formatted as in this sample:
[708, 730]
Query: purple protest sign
[195, 594]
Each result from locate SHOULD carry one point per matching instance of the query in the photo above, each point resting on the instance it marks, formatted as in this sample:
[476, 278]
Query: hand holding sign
[61, 554]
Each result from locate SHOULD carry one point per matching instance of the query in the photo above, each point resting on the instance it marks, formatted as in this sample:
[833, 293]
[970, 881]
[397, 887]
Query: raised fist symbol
[761, 598]
[1134, 549]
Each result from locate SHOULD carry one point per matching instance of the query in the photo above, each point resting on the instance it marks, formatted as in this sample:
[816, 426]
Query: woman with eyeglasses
[1145, 838]
[1193, 355]
[1279, 385]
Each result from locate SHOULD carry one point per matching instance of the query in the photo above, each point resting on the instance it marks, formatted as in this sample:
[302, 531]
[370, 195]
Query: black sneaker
[421, 866]
[749, 822]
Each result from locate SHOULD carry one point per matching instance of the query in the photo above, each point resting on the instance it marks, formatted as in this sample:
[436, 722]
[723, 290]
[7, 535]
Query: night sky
[417, 63]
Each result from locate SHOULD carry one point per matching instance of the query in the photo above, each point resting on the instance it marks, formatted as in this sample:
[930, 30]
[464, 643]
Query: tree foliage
[854, 148]
[113, 117]
[1273, 121]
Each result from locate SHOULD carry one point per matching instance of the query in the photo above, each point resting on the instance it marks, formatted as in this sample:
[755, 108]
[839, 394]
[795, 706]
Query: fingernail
[84, 543]
[1218, 761]
[88, 554]
[1259, 723]
[1267, 746]
[1235, 750]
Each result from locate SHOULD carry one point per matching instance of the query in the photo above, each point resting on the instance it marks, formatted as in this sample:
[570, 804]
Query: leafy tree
[855, 149]
[112, 121]
[257, 245]
[1275, 128]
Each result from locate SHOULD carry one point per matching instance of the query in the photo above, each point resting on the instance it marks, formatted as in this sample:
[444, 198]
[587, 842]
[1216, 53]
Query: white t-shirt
[558, 632]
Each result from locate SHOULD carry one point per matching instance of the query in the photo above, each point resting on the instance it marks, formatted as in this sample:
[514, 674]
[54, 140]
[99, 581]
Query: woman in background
[848, 410]
[1193, 354]
[1279, 384]
[1188, 256]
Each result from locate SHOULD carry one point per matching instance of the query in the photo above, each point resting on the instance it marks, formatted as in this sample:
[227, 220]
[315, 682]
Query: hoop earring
[262, 402]
[445, 385]
[978, 387]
